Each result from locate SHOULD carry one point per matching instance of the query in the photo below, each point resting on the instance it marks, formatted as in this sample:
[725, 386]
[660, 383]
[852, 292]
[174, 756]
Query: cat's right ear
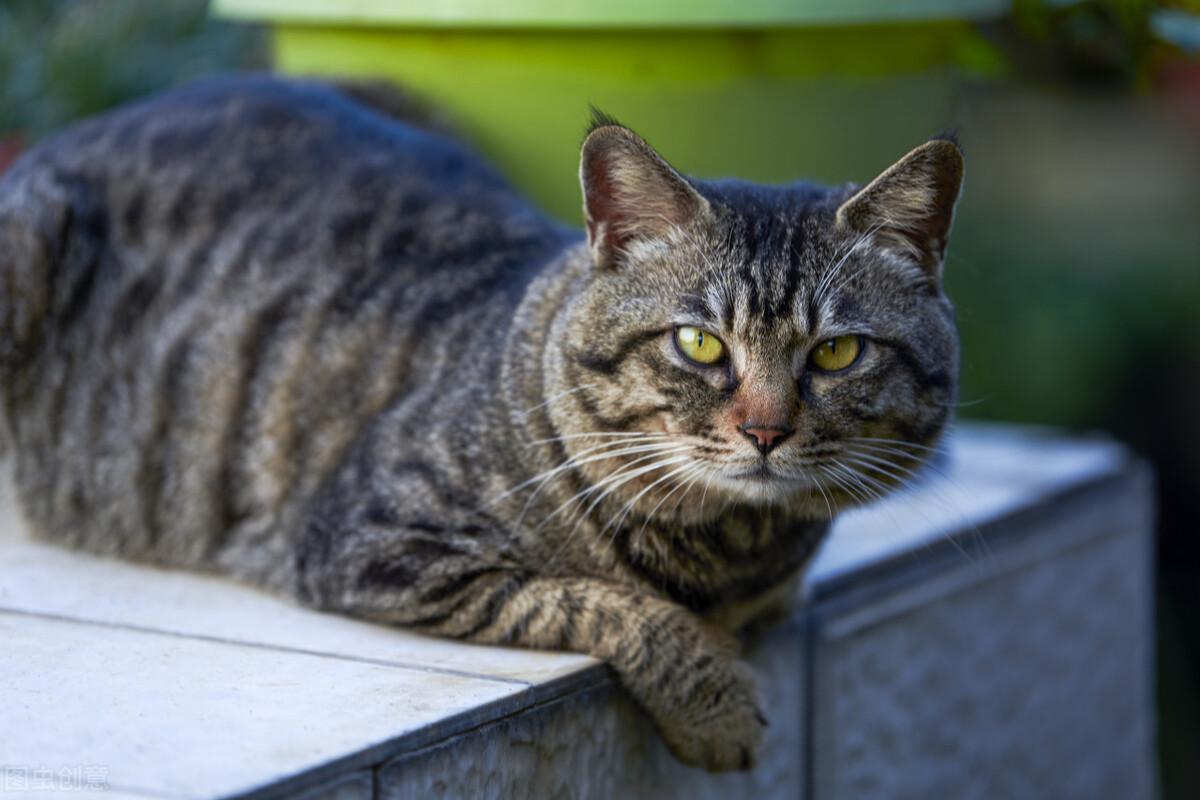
[910, 207]
[630, 193]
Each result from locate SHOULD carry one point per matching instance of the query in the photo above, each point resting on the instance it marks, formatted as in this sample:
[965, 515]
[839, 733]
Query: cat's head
[757, 344]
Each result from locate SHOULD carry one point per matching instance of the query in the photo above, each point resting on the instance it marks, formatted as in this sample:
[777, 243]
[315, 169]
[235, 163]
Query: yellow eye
[700, 346]
[833, 355]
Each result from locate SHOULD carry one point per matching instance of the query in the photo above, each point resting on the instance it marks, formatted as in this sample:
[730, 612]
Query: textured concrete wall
[596, 744]
[1017, 669]
[1026, 674]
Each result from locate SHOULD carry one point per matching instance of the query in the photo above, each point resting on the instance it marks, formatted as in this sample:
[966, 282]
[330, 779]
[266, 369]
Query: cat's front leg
[682, 670]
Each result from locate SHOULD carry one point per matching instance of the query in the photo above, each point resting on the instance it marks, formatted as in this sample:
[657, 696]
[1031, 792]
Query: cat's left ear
[910, 207]
[630, 193]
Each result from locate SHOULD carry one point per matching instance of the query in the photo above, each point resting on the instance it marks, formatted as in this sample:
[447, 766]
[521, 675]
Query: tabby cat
[260, 328]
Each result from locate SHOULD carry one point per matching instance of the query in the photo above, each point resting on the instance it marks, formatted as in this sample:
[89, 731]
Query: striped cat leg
[682, 670]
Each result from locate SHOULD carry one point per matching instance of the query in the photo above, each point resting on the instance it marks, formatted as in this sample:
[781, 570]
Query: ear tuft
[601, 119]
[910, 207]
[630, 193]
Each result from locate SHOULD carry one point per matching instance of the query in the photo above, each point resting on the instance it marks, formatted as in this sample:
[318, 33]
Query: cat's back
[205, 296]
[257, 181]
[198, 161]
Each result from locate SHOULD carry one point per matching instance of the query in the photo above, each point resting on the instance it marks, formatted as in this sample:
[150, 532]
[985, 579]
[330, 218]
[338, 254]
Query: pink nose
[765, 437]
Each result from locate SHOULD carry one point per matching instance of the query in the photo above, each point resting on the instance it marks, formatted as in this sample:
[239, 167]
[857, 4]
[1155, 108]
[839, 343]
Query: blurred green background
[1075, 263]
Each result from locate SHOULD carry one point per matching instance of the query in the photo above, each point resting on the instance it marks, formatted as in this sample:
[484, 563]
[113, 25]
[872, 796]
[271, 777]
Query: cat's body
[256, 328]
[247, 276]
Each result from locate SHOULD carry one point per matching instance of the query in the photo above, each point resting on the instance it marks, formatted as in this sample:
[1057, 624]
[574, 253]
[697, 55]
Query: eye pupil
[699, 346]
[834, 355]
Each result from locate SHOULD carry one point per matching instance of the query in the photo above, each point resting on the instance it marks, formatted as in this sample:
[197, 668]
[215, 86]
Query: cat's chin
[762, 485]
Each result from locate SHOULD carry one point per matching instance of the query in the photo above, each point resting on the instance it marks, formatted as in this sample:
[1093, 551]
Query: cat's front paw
[721, 725]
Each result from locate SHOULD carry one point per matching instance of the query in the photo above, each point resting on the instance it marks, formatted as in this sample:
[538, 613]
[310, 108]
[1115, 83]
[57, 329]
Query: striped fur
[256, 328]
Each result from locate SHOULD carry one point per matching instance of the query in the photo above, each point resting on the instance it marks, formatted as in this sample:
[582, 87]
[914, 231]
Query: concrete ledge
[986, 634]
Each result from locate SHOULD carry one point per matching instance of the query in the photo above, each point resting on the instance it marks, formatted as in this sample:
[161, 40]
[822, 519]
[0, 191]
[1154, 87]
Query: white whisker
[613, 482]
[653, 511]
[937, 494]
[619, 518]
[553, 398]
[700, 473]
[881, 466]
[622, 471]
[900, 442]
[623, 448]
[851, 483]
[820, 488]
[596, 435]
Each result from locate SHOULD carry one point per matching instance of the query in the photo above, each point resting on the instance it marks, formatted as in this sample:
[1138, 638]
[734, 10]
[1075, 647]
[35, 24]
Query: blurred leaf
[64, 59]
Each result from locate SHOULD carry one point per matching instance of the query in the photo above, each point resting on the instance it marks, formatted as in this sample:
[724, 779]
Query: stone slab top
[156, 683]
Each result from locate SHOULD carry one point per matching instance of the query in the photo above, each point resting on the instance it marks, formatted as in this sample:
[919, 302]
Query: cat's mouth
[763, 477]
[759, 473]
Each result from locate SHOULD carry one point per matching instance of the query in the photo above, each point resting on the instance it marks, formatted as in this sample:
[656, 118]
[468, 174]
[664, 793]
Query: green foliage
[1057, 336]
[63, 59]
